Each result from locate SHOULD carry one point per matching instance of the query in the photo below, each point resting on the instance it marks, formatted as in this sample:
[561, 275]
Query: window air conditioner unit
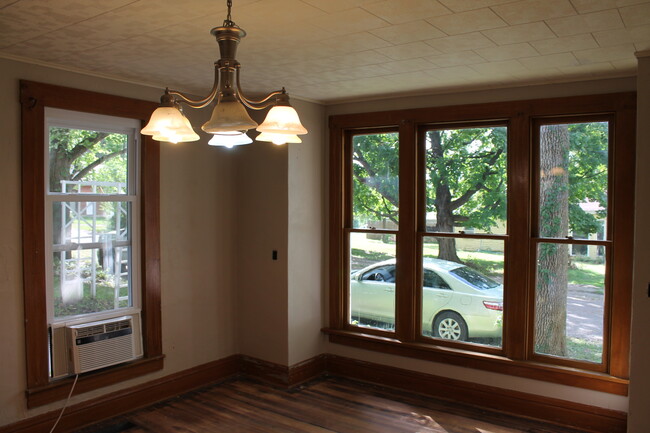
[101, 344]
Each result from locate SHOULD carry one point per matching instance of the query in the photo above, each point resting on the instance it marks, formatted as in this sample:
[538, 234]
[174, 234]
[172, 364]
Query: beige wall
[197, 205]
[639, 416]
[452, 371]
[306, 237]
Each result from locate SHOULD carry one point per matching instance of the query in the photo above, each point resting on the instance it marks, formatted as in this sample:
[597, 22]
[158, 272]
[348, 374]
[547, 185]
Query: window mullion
[407, 317]
[516, 295]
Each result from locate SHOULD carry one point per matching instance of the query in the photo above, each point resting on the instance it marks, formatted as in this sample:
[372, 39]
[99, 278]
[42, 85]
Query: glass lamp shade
[282, 119]
[230, 139]
[169, 124]
[278, 138]
[229, 115]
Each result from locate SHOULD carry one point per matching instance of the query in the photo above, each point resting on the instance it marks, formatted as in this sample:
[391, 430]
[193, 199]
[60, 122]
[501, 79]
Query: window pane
[573, 173]
[372, 280]
[569, 303]
[78, 222]
[87, 161]
[462, 297]
[466, 180]
[91, 261]
[91, 280]
[375, 183]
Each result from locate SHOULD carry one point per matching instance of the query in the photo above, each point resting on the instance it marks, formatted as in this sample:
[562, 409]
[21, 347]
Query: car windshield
[474, 278]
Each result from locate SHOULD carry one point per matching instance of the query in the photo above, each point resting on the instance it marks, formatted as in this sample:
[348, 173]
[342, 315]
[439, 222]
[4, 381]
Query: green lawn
[583, 273]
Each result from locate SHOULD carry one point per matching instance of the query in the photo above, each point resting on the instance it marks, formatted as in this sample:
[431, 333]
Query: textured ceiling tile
[410, 32]
[586, 6]
[565, 44]
[519, 33]
[507, 52]
[401, 66]
[350, 21]
[636, 15]
[275, 12]
[587, 23]
[599, 55]
[338, 5]
[626, 66]
[534, 10]
[507, 66]
[610, 38]
[461, 72]
[467, 22]
[590, 70]
[51, 15]
[408, 51]
[361, 59]
[549, 61]
[355, 42]
[13, 31]
[456, 59]
[396, 12]
[469, 41]
[468, 5]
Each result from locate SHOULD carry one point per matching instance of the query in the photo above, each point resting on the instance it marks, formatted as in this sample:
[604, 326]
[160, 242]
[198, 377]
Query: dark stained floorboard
[328, 405]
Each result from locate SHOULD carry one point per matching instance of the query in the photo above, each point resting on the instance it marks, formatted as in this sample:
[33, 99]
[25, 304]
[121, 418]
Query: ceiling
[334, 50]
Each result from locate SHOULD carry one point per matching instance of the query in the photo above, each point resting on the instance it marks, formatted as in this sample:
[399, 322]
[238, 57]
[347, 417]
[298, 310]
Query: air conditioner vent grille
[90, 331]
[118, 326]
[107, 352]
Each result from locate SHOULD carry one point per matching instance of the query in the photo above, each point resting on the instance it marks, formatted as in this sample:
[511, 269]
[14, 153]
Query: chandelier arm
[199, 103]
[255, 104]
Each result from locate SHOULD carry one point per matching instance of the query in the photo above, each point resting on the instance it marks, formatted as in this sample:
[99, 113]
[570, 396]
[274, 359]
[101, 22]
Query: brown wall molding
[126, 400]
[280, 374]
[560, 412]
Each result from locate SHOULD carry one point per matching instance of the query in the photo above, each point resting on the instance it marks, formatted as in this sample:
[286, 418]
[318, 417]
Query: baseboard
[280, 374]
[126, 400]
[555, 411]
[559, 412]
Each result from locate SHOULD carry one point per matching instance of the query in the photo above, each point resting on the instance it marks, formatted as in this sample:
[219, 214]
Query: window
[495, 236]
[93, 208]
[89, 183]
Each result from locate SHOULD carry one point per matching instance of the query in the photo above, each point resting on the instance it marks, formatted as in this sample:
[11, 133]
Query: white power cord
[66, 403]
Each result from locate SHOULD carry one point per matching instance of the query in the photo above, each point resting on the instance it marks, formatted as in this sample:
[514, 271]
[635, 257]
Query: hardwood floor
[325, 405]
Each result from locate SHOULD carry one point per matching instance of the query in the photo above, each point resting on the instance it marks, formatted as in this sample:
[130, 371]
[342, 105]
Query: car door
[436, 293]
[372, 294]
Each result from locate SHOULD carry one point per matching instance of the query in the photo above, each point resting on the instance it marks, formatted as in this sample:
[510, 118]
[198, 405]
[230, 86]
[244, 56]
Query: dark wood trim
[58, 390]
[407, 323]
[623, 223]
[559, 412]
[281, 374]
[34, 97]
[463, 357]
[126, 400]
[551, 410]
[307, 370]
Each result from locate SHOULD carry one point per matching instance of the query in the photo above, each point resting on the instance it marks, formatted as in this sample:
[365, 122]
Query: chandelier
[230, 120]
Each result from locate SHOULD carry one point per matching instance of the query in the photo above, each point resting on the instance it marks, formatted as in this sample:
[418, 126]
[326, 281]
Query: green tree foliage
[77, 154]
[375, 179]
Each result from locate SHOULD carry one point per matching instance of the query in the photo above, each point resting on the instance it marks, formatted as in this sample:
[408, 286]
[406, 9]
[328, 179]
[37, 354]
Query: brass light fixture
[230, 120]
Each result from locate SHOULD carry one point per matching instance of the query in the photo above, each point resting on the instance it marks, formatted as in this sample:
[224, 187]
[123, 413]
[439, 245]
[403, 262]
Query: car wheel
[450, 326]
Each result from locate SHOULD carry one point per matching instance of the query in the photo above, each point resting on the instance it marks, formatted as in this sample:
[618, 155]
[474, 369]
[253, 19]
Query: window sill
[59, 389]
[495, 363]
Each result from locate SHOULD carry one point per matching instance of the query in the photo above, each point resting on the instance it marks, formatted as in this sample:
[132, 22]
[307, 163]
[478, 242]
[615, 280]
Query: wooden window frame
[34, 97]
[515, 357]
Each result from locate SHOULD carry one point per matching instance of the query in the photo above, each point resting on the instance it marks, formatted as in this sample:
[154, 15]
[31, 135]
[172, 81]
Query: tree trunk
[553, 258]
[442, 205]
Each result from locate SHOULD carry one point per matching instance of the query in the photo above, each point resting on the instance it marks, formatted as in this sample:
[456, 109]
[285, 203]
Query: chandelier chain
[229, 17]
